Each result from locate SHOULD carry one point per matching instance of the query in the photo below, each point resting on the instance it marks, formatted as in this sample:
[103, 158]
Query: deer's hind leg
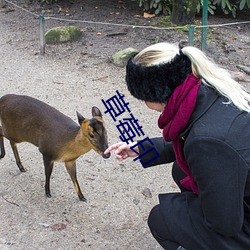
[71, 168]
[18, 161]
[1, 144]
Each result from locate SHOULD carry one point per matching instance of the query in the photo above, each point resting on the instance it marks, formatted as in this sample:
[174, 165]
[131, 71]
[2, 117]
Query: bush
[165, 6]
[156, 6]
[47, 1]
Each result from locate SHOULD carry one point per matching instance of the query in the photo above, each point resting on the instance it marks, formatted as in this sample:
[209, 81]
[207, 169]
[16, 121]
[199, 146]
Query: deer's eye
[91, 136]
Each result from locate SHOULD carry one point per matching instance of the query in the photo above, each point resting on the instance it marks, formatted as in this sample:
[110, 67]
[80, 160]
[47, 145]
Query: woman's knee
[153, 218]
[159, 229]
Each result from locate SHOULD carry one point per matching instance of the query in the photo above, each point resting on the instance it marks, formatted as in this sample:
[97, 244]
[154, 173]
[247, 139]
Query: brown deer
[58, 137]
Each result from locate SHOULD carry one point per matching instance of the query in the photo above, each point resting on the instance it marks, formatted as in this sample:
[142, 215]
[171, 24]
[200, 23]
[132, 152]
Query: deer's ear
[96, 111]
[80, 118]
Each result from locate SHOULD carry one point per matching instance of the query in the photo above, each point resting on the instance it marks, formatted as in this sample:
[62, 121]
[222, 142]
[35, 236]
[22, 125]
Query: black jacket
[216, 145]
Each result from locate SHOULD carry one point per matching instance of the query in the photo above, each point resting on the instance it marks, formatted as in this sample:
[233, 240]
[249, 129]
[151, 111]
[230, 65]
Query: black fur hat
[156, 83]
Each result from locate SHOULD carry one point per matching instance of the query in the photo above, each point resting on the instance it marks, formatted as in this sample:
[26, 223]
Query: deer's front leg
[48, 165]
[71, 168]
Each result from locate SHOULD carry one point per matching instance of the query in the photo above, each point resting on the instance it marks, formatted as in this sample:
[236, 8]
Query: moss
[63, 34]
[163, 22]
[121, 58]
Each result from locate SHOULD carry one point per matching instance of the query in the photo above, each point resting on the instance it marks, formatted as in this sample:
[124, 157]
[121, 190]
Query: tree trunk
[183, 11]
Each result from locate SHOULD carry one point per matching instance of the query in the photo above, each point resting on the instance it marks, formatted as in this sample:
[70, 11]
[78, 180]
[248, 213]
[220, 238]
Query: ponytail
[218, 78]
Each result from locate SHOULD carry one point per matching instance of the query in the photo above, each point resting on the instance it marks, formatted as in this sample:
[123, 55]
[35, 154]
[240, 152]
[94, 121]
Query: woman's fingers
[123, 146]
[122, 150]
[113, 147]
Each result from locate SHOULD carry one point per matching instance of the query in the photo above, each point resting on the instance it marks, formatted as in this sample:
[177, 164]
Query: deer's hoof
[48, 195]
[82, 198]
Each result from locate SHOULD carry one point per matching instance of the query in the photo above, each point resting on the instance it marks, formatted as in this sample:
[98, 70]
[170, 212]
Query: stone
[147, 193]
[2, 3]
[63, 34]
[121, 58]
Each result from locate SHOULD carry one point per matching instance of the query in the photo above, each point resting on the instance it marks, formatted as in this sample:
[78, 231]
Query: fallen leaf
[58, 227]
[147, 15]
[147, 193]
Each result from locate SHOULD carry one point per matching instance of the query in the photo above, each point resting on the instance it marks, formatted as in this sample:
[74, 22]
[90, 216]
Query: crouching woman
[205, 122]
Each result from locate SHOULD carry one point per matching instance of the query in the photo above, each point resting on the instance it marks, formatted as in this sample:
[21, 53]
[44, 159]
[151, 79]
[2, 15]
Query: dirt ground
[77, 76]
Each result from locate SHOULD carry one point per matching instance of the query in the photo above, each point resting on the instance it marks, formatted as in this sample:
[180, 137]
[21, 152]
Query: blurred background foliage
[164, 7]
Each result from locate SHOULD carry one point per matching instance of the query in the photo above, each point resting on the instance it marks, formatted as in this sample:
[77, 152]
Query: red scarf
[174, 119]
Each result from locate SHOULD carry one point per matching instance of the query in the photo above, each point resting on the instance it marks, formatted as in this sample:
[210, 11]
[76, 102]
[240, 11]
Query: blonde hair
[202, 67]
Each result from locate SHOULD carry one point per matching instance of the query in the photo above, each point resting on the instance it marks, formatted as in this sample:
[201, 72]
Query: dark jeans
[156, 222]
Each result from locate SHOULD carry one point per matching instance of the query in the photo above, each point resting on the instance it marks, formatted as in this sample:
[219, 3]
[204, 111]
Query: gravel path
[120, 195]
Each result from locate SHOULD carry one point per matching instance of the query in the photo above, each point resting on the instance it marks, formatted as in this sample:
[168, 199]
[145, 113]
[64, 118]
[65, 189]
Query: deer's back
[24, 118]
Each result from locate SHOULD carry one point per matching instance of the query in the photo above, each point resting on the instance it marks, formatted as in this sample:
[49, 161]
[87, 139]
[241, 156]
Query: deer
[58, 138]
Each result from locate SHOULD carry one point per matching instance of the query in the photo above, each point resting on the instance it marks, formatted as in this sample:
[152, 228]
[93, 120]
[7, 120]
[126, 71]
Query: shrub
[165, 6]
[156, 6]
[47, 1]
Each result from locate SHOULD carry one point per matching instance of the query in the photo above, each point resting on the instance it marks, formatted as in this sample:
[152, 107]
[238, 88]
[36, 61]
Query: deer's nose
[106, 156]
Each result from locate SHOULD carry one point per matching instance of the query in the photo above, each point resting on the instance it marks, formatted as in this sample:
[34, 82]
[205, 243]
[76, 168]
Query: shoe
[181, 248]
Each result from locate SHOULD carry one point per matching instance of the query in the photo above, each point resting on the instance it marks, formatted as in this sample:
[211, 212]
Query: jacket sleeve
[164, 149]
[220, 173]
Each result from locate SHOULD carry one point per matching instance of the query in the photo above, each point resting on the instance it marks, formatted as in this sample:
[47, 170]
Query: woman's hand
[122, 150]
